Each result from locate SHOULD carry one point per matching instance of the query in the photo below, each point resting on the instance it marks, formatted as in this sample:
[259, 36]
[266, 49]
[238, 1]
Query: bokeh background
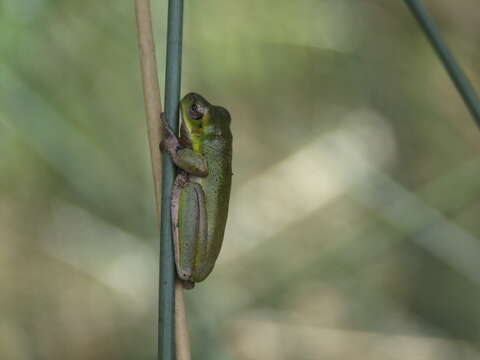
[353, 230]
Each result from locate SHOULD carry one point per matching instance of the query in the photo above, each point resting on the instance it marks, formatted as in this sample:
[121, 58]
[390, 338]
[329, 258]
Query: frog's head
[196, 113]
[200, 119]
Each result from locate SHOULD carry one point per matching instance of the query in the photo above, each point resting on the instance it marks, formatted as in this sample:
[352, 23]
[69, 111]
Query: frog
[202, 154]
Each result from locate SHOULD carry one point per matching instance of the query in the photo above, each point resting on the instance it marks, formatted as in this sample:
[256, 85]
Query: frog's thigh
[191, 232]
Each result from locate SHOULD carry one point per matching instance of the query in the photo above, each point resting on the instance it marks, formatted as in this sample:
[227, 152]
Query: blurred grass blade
[166, 343]
[456, 73]
[72, 154]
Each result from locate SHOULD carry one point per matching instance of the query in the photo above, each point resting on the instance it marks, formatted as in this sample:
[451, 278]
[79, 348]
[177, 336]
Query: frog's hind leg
[189, 220]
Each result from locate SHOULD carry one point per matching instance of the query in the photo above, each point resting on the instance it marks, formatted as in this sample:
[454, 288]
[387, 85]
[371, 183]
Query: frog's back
[218, 152]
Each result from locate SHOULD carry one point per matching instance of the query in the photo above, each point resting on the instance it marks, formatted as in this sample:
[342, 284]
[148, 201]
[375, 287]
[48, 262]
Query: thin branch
[181, 330]
[151, 90]
[458, 77]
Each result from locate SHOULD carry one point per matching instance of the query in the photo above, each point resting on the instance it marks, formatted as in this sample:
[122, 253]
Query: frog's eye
[196, 111]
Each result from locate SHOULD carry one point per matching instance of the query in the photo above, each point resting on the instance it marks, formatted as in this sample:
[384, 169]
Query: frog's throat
[191, 138]
[196, 143]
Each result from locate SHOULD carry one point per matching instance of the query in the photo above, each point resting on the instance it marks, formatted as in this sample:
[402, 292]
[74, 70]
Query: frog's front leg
[189, 220]
[186, 159]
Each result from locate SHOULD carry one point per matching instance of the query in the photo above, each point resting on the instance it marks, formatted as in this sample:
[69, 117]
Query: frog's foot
[169, 141]
[187, 284]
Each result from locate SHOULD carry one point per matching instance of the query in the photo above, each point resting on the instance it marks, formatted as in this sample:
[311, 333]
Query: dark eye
[196, 112]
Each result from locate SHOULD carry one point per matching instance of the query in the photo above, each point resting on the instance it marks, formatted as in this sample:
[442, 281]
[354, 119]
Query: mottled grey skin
[201, 193]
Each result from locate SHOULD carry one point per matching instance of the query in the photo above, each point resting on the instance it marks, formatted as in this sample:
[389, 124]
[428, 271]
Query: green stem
[166, 343]
[458, 77]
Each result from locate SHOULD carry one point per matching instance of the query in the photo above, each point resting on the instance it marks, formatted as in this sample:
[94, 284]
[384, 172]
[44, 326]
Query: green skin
[201, 192]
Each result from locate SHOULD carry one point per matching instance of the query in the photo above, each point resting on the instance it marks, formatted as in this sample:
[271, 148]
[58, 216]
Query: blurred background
[353, 229]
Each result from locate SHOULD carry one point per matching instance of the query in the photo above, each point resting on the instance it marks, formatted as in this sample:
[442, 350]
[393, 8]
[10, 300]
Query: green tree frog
[201, 192]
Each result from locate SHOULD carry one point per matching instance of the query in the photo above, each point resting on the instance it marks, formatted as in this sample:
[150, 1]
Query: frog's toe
[187, 284]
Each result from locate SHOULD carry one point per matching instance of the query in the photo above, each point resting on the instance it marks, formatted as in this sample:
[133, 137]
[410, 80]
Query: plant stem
[458, 77]
[166, 344]
[166, 329]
